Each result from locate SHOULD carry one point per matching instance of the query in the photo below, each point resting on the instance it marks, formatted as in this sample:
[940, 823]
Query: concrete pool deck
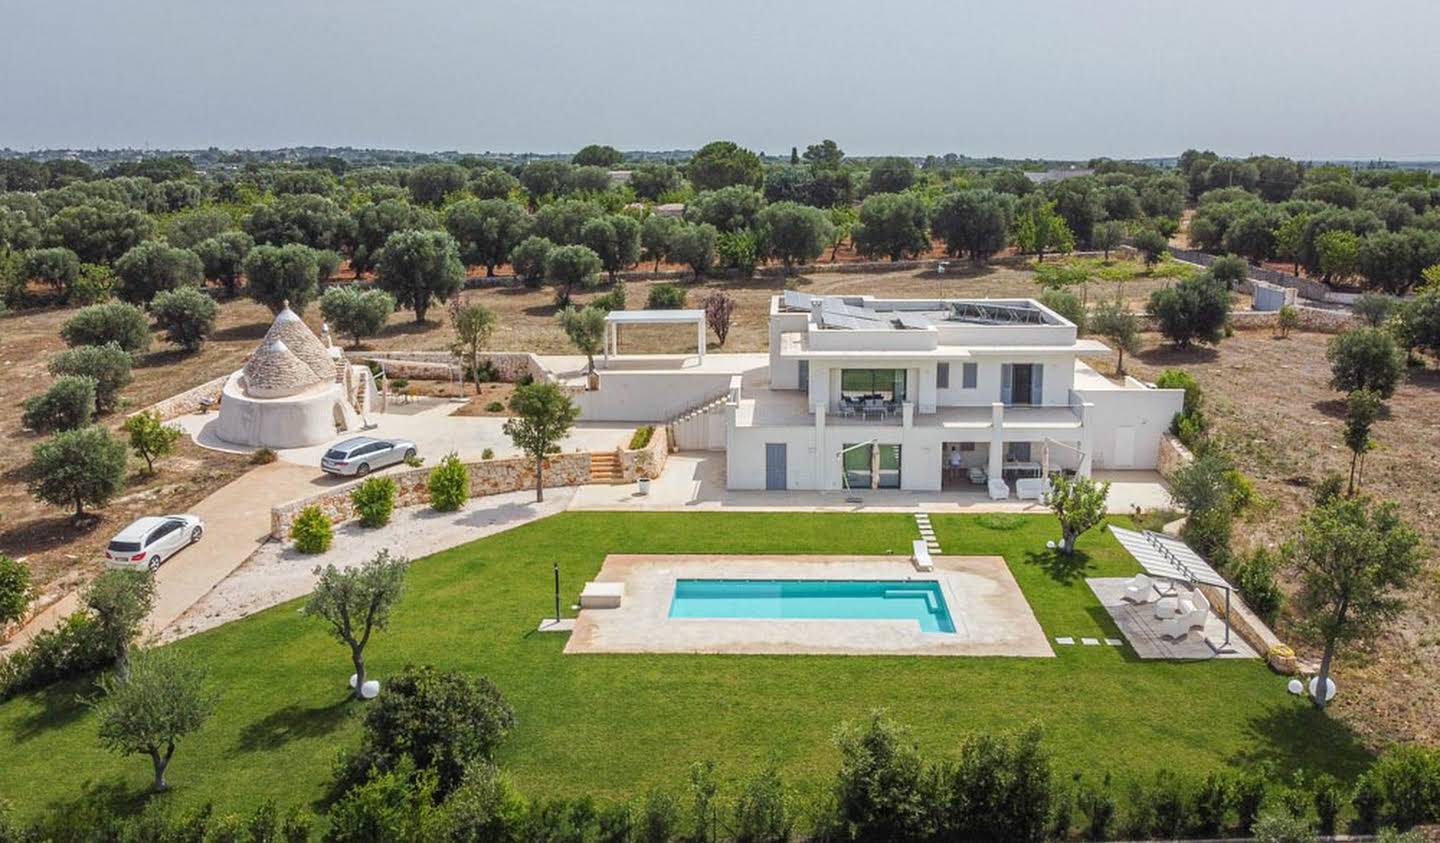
[987, 606]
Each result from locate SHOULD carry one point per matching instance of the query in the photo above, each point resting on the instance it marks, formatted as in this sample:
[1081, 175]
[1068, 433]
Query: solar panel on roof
[840, 320]
[837, 306]
[913, 320]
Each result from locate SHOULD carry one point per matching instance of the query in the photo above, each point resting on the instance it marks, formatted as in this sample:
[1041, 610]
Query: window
[967, 446]
[877, 384]
[942, 375]
[969, 374]
[859, 462]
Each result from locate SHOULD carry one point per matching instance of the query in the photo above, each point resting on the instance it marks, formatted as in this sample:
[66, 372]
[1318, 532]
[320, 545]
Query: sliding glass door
[873, 384]
[870, 466]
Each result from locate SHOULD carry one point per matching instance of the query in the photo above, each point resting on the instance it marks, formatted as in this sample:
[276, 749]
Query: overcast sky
[1044, 78]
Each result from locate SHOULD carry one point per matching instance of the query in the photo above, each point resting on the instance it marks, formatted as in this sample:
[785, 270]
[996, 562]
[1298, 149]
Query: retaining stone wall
[188, 401]
[1173, 455]
[510, 366]
[648, 461]
[487, 477]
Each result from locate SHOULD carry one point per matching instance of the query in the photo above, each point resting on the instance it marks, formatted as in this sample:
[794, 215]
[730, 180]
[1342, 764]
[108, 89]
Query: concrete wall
[488, 477]
[648, 396]
[1147, 411]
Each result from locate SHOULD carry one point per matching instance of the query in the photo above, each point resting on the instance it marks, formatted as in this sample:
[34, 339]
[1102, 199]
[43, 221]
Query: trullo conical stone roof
[302, 342]
[273, 371]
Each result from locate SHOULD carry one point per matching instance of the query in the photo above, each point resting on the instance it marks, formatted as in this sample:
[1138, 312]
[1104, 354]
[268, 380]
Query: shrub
[641, 437]
[76, 646]
[449, 484]
[719, 309]
[69, 403]
[762, 809]
[99, 324]
[1282, 827]
[443, 721]
[263, 456]
[311, 530]
[1287, 320]
[494, 407]
[1375, 309]
[1249, 796]
[1212, 804]
[1098, 805]
[186, 315]
[1409, 778]
[738, 250]
[882, 783]
[487, 454]
[1193, 310]
[1255, 578]
[1169, 801]
[374, 501]
[1368, 800]
[15, 590]
[659, 818]
[93, 286]
[613, 300]
[57, 267]
[107, 365]
[1329, 798]
[1366, 358]
[666, 297]
[1067, 304]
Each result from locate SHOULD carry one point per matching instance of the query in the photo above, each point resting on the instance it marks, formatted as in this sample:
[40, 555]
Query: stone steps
[604, 468]
[927, 532]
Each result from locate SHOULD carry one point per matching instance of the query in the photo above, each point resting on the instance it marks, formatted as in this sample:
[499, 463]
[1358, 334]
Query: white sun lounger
[920, 555]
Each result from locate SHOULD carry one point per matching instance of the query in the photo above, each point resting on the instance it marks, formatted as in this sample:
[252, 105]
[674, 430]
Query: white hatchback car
[150, 541]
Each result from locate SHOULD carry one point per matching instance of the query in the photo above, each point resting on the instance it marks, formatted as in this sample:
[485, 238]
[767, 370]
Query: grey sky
[1009, 77]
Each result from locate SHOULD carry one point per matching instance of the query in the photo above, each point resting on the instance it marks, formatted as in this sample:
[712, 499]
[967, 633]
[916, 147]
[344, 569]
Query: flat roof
[795, 344]
[867, 312]
[654, 317]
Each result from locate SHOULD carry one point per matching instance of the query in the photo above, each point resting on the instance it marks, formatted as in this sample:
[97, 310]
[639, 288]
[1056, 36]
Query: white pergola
[615, 318]
[1171, 559]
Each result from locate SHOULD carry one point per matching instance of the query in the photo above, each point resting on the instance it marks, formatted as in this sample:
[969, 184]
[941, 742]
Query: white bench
[920, 555]
[602, 595]
[1031, 488]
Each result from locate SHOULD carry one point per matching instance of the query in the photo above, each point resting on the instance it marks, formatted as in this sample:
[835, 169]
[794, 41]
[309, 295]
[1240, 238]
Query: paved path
[237, 522]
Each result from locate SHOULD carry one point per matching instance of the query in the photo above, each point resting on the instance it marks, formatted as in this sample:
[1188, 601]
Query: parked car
[148, 542]
[361, 455]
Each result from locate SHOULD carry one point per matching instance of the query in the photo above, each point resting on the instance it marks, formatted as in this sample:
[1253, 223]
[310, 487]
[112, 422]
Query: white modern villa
[859, 392]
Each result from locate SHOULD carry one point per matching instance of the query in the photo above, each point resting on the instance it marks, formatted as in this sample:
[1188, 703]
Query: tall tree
[119, 601]
[357, 602]
[894, 225]
[99, 231]
[487, 230]
[598, 155]
[544, 415]
[417, 267]
[163, 700]
[1356, 558]
[973, 222]
[615, 238]
[153, 266]
[721, 164]
[373, 224]
[276, 275]
[307, 219]
[1038, 229]
[429, 184]
[795, 233]
[569, 267]
[1362, 408]
[222, 258]
[890, 175]
[1107, 235]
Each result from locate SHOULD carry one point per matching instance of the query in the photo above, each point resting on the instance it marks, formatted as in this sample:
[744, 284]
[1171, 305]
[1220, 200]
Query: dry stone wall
[188, 401]
[645, 462]
[1172, 455]
[510, 366]
[487, 477]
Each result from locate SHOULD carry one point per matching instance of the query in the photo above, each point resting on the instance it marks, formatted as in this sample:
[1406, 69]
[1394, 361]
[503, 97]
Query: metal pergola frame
[1171, 559]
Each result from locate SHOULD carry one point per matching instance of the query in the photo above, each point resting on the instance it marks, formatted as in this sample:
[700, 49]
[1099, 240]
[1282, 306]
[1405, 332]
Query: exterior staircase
[690, 430]
[605, 468]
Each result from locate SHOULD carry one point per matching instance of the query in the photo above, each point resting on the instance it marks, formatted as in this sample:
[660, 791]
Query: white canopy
[1171, 559]
[615, 318]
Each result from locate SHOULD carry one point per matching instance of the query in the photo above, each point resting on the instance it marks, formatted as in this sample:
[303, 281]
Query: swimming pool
[917, 600]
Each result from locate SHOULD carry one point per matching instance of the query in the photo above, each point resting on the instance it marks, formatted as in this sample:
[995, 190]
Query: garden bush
[1255, 579]
[15, 590]
[117, 322]
[1329, 798]
[763, 812]
[1249, 796]
[1277, 826]
[108, 365]
[449, 484]
[263, 456]
[1212, 804]
[641, 437]
[1368, 800]
[613, 300]
[442, 721]
[311, 530]
[494, 407]
[666, 297]
[68, 404]
[186, 315]
[78, 645]
[487, 454]
[1408, 777]
[374, 501]
[1098, 806]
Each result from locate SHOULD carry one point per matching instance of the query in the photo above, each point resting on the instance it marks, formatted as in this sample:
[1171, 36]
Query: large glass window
[866, 469]
[873, 384]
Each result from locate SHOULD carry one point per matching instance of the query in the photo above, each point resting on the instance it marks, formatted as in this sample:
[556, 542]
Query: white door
[1124, 455]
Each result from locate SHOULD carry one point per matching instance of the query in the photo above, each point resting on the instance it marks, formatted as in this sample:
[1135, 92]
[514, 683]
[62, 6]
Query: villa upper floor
[853, 354]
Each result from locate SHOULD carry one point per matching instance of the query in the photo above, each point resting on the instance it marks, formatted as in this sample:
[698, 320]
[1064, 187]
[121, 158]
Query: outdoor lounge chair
[999, 489]
[977, 476]
[920, 555]
[1139, 589]
[1031, 488]
[1180, 625]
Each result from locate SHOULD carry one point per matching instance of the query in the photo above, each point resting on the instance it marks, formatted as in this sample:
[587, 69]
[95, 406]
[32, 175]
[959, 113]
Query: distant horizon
[1026, 79]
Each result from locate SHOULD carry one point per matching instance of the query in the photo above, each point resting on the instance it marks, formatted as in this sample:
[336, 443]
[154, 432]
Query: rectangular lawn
[612, 726]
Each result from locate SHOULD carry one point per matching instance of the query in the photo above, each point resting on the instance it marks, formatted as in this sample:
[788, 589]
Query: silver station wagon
[361, 455]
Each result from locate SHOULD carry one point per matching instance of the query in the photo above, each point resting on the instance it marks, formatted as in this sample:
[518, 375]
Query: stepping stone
[1114, 642]
[1064, 639]
[1090, 642]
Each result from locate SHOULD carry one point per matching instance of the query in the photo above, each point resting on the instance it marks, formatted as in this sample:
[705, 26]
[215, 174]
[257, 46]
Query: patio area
[1142, 628]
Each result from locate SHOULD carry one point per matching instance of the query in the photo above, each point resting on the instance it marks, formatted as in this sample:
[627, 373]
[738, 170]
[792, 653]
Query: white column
[700, 331]
[821, 455]
[997, 444]
[609, 326]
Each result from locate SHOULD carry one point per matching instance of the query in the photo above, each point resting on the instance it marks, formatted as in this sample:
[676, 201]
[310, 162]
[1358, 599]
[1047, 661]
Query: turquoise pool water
[920, 601]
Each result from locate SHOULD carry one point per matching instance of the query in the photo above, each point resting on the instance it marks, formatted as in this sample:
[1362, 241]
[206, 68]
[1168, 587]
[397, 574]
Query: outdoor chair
[999, 489]
[1180, 625]
[1139, 589]
[977, 476]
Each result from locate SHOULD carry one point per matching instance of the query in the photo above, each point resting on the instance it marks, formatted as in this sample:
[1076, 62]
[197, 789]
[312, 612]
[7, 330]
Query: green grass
[611, 726]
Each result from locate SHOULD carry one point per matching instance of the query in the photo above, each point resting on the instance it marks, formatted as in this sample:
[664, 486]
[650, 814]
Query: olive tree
[98, 231]
[693, 244]
[1107, 235]
[357, 602]
[307, 219]
[973, 222]
[355, 313]
[893, 225]
[1114, 321]
[528, 259]
[429, 184]
[569, 266]
[473, 324]
[615, 239]
[544, 415]
[656, 234]
[78, 468]
[1365, 358]
[417, 267]
[1362, 408]
[186, 315]
[57, 268]
[108, 365]
[164, 699]
[119, 601]
[586, 329]
[1193, 310]
[222, 258]
[373, 224]
[487, 230]
[1078, 503]
[1356, 560]
[67, 404]
[276, 275]
[154, 266]
[795, 233]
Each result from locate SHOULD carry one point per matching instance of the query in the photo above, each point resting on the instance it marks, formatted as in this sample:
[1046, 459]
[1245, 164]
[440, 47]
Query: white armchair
[1180, 625]
[1139, 589]
[999, 489]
